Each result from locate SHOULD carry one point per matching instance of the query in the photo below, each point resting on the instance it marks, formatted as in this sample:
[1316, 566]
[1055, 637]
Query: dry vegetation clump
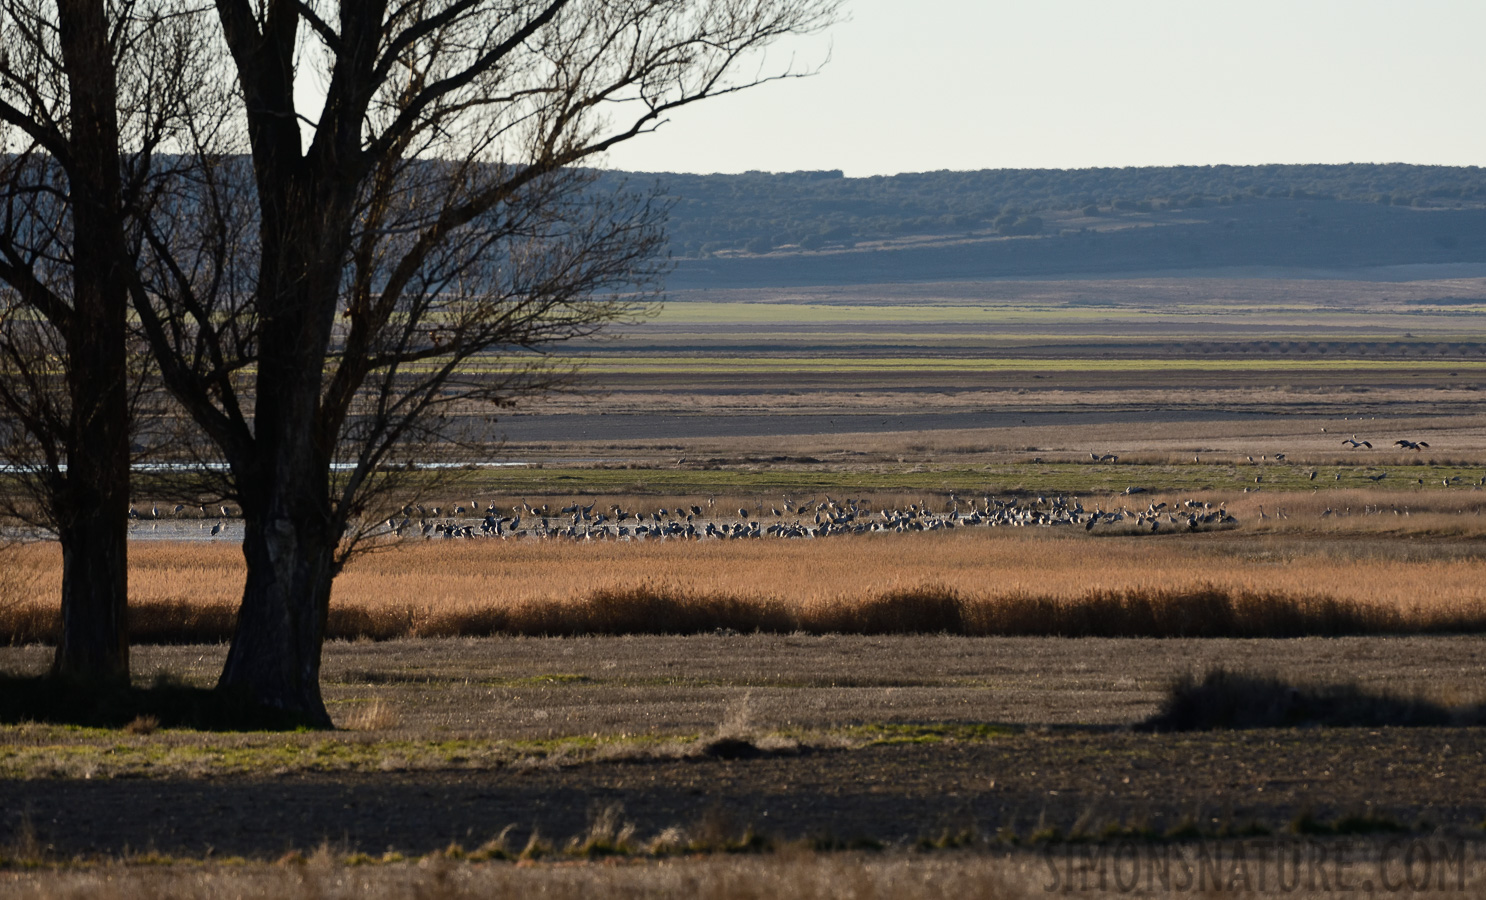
[1229, 699]
[378, 715]
[142, 724]
[1203, 610]
[608, 834]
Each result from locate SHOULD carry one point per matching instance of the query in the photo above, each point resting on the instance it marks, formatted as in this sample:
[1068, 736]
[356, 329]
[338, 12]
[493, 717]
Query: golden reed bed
[981, 582]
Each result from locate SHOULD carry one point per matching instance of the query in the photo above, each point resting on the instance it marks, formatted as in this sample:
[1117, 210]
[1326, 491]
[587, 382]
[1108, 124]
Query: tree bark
[274, 660]
[291, 529]
[93, 514]
[95, 638]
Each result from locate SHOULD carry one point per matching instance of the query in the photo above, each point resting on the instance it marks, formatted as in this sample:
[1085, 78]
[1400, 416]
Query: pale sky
[919, 85]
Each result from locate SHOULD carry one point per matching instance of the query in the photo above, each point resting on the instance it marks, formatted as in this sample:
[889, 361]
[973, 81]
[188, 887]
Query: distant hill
[760, 229]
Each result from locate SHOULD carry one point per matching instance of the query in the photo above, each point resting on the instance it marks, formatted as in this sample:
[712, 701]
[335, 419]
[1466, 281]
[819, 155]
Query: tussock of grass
[608, 835]
[1224, 699]
[536, 848]
[24, 849]
[143, 724]
[497, 848]
[378, 715]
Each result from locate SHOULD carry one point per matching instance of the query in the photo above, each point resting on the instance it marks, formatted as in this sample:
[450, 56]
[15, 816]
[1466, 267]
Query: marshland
[946, 706]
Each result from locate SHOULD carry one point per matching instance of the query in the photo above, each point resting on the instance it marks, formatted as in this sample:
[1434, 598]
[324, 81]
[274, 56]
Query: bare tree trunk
[291, 531]
[94, 523]
[290, 539]
[275, 655]
[95, 637]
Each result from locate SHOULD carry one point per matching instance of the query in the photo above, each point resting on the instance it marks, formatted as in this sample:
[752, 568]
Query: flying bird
[1415, 446]
[1356, 443]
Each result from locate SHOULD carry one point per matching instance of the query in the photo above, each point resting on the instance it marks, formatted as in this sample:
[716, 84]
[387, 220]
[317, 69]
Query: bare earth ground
[894, 794]
[838, 710]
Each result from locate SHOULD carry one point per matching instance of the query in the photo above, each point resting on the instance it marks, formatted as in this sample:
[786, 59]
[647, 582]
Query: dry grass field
[1340, 563]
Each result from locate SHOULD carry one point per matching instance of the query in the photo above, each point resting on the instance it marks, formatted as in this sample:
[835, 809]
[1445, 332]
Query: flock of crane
[154, 517]
[810, 519]
[786, 519]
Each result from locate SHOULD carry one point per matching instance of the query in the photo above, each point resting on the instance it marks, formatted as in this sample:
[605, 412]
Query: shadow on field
[164, 704]
[1229, 700]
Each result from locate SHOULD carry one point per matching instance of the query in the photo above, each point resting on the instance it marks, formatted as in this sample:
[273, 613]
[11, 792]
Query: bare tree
[91, 92]
[65, 261]
[423, 239]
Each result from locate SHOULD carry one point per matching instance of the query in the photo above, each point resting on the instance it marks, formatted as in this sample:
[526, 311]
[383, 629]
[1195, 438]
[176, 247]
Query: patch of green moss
[887, 733]
[197, 753]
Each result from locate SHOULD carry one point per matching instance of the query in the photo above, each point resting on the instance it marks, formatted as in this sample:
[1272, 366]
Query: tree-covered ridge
[758, 211]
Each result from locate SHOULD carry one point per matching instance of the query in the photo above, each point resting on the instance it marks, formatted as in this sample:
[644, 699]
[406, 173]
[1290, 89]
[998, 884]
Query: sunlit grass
[1364, 567]
[54, 751]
